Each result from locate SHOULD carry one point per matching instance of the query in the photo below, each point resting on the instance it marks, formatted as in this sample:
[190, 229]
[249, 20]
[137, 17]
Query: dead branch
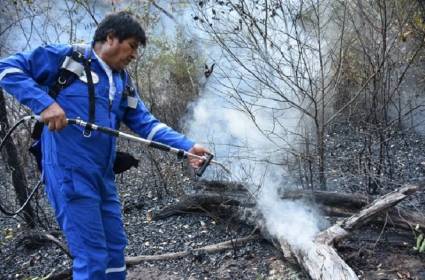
[209, 249]
[219, 199]
[61, 245]
[341, 230]
[321, 260]
[35, 237]
[61, 275]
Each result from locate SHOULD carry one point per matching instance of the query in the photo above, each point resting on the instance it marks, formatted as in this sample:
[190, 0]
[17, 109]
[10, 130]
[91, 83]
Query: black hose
[2, 143]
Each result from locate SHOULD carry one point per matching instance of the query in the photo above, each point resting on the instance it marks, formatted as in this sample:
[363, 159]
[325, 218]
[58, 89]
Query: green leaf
[419, 240]
[422, 249]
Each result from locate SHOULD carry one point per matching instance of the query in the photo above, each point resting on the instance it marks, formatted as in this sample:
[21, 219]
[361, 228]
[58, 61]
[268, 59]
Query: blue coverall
[77, 169]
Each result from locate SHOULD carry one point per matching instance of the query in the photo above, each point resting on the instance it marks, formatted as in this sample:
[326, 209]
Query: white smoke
[244, 149]
[256, 152]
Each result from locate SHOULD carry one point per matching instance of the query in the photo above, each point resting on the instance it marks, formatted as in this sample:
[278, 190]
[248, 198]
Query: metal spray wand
[153, 144]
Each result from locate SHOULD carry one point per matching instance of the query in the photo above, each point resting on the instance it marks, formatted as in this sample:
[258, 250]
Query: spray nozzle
[207, 161]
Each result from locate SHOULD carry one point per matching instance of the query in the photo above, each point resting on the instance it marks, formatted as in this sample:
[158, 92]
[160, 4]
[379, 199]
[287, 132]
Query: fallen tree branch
[209, 249]
[34, 238]
[58, 243]
[322, 261]
[342, 229]
[61, 275]
[224, 200]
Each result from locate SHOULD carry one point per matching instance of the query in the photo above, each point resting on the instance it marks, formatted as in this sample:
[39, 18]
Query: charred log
[225, 200]
[322, 261]
[342, 229]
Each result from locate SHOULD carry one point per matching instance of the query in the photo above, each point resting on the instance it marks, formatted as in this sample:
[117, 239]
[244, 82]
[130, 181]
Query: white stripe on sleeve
[9, 71]
[155, 130]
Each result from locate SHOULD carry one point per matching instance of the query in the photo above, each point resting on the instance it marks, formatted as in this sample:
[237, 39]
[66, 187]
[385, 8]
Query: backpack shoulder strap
[74, 66]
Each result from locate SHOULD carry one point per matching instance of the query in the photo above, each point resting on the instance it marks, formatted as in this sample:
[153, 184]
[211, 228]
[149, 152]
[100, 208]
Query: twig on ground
[210, 249]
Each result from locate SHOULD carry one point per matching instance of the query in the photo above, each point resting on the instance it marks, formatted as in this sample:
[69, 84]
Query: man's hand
[199, 151]
[54, 117]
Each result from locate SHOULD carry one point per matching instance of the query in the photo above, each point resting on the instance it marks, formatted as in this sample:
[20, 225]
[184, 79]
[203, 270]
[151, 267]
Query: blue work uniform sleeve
[27, 76]
[141, 121]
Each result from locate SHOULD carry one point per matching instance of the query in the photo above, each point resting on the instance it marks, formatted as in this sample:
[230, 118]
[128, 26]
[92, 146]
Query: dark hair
[122, 25]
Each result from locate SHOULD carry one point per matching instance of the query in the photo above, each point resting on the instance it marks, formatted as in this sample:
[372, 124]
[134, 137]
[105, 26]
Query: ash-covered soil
[383, 253]
[361, 162]
[253, 260]
[374, 253]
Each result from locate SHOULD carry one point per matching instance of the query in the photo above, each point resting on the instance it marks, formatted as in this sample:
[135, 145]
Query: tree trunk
[320, 142]
[14, 163]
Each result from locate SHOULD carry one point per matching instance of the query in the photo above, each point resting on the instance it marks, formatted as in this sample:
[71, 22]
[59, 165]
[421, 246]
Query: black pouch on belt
[123, 162]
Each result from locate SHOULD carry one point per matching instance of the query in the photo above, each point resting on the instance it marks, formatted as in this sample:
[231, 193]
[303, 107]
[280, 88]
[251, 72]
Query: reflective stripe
[9, 71]
[115, 269]
[73, 66]
[155, 130]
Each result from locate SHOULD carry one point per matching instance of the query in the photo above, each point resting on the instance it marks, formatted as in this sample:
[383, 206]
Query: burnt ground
[373, 252]
[387, 254]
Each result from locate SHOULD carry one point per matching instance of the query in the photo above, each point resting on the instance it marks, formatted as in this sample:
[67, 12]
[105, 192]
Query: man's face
[120, 54]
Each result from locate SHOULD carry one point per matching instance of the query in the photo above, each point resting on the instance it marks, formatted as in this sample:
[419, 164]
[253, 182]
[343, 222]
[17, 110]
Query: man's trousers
[88, 210]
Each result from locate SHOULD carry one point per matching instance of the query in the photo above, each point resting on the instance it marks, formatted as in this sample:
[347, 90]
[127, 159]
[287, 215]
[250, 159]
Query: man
[77, 165]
